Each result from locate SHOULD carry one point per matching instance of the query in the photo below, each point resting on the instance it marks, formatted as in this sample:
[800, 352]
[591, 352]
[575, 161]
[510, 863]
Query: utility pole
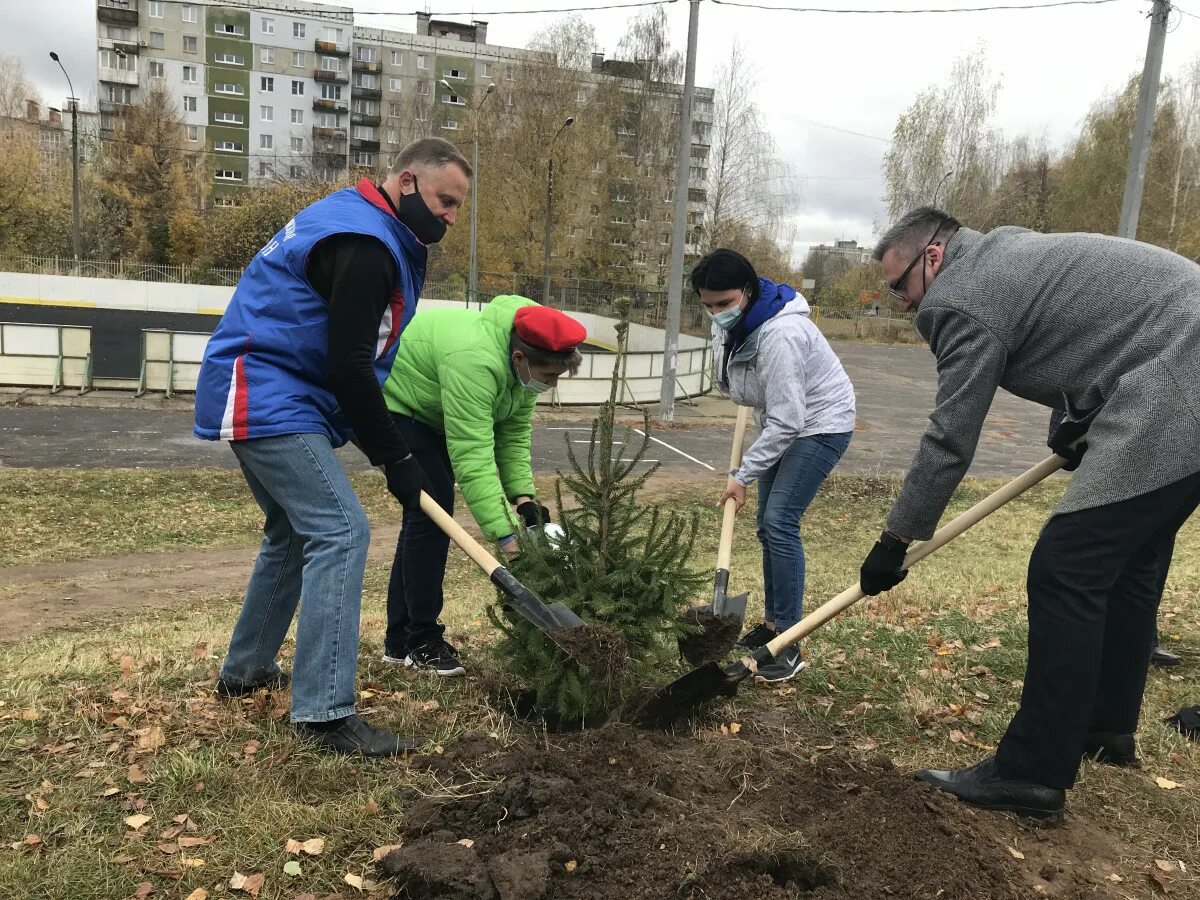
[473, 272]
[550, 213]
[1139, 149]
[666, 403]
[74, 161]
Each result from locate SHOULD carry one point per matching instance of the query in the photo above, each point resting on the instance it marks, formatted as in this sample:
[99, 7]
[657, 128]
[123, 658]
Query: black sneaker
[1112, 749]
[756, 637]
[353, 735]
[231, 689]
[438, 657]
[788, 664]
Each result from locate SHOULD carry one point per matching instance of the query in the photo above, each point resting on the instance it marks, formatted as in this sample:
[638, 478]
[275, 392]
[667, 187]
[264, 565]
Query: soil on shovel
[713, 637]
[599, 648]
[622, 813]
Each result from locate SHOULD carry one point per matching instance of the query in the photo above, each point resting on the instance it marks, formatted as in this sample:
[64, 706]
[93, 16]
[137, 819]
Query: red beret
[548, 329]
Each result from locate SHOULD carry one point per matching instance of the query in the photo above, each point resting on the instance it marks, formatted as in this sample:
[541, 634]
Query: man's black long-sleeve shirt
[356, 275]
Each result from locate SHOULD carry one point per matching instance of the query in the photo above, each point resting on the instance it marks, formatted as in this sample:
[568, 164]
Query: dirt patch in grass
[623, 813]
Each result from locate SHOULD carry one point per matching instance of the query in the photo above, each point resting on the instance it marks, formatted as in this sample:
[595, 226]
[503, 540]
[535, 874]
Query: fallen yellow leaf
[1166, 783]
[137, 821]
[380, 852]
[251, 884]
[1017, 854]
[467, 842]
[359, 883]
[197, 894]
[734, 727]
[1165, 864]
[570, 866]
[314, 846]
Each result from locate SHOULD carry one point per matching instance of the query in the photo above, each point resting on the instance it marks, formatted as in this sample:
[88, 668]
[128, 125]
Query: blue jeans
[784, 492]
[415, 598]
[313, 553]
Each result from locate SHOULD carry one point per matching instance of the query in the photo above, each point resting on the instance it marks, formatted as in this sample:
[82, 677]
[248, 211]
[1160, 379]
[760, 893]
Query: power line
[1178, 9]
[335, 15]
[903, 12]
[817, 124]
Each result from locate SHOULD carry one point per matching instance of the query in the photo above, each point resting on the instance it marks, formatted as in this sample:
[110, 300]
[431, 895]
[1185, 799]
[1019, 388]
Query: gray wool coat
[1075, 322]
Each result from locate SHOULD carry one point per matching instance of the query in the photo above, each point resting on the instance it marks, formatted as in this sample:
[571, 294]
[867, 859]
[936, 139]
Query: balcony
[332, 77]
[331, 48]
[365, 119]
[321, 133]
[364, 144]
[129, 48]
[112, 107]
[361, 65]
[365, 93]
[330, 159]
[323, 105]
[118, 76]
[117, 12]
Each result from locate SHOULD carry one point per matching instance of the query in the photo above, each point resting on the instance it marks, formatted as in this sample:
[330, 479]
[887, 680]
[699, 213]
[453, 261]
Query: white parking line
[676, 449]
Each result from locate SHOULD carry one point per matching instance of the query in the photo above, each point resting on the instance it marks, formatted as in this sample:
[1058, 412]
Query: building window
[193, 132]
[154, 9]
[393, 135]
[157, 40]
[367, 107]
[394, 110]
[189, 75]
[267, 84]
[327, 120]
[360, 158]
[228, 175]
[423, 88]
[225, 201]
[297, 145]
[397, 57]
[453, 73]
[297, 29]
[156, 69]
[394, 84]
[229, 28]
[266, 113]
[268, 26]
[298, 59]
[331, 92]
[450, 125]
[233, 59]
[189, 43]
[266, 55]
[331, 34]
[264, 169]
[230, 118]
[454, 100]
[126, 62]
[297, 117]
[228, 146]
[485, 69]
[298, 88]
[188, 13]
[422, 61]
[364, 54]
[332, 64]
[225, 87]
[366, 80]
[117, 93]
[266, 142]
[295, 172]
[116, 33]
[189, 104]
[365, 133]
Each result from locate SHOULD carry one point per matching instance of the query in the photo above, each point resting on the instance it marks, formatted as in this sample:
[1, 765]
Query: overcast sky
[852, 72]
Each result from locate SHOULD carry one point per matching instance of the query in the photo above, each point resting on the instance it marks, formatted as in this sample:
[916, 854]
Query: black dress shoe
[1163, 658]
[229, 688]
[981, 785]
[353, 735]
[1112, 749]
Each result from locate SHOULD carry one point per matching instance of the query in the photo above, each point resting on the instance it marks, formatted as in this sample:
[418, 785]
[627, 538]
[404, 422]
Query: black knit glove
[1063, 433]
[883, 568]
[533, 514]
[405, 480]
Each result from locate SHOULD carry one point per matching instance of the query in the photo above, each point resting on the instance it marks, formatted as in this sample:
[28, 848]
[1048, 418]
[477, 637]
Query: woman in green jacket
[462, 392]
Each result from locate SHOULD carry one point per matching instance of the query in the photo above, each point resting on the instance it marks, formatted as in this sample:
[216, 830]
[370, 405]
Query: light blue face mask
[727, 319]
[530, 383]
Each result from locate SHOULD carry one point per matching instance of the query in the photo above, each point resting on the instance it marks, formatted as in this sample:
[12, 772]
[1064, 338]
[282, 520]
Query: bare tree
[569, 41]
[14, 87]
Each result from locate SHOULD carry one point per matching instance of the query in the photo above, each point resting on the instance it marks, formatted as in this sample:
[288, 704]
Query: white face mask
[529, 383]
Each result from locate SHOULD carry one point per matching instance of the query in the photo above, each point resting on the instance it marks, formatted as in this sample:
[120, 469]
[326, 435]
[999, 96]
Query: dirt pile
[623, 813]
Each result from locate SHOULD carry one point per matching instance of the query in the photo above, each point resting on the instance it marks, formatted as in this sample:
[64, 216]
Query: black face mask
[413, 212]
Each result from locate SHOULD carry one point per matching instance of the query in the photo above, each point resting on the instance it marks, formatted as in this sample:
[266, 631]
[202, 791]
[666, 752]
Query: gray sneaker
[788, 664]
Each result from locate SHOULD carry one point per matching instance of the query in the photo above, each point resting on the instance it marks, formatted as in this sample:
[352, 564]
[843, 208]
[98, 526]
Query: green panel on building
[214, 75]
[218, 104]
[220, 16]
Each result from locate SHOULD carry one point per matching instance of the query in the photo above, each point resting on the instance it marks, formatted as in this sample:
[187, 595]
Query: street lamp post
[473, 274]
[550, 212]
[74, 160]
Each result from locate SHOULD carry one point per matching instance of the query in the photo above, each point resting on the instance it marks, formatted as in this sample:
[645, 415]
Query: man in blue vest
[293, 371]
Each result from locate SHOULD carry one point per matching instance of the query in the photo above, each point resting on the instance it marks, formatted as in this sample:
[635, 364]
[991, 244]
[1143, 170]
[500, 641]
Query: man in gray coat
[1107, 331]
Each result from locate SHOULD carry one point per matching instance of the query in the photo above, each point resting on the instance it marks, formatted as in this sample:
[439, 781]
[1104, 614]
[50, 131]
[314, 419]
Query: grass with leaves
[119, 769]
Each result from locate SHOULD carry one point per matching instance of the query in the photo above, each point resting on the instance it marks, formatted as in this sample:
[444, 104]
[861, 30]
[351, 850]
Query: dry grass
[80, 708]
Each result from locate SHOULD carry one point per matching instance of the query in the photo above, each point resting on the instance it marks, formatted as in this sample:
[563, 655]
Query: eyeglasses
[894, 286]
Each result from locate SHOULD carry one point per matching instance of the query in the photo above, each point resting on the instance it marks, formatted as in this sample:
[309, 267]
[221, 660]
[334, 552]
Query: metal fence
[129, 271]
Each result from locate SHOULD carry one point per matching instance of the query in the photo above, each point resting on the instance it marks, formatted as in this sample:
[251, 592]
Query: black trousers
[415, 599]
[1095, 581]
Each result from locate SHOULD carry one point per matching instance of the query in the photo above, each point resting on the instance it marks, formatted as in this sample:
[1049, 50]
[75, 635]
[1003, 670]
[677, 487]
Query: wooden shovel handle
[459, 535]
[725, 548]
[941, 537]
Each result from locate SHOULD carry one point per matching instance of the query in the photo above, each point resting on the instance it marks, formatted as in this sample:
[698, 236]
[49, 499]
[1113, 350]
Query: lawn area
[120, 772]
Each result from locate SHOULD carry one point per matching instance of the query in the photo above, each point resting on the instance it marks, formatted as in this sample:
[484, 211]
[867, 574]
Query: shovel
[709, 681]
[555, 617]
[720, 621]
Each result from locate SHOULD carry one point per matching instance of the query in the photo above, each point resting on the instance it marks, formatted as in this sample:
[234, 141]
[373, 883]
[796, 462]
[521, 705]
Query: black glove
[1064, 431]
[406, 479]
[881, 570]
[532, 514]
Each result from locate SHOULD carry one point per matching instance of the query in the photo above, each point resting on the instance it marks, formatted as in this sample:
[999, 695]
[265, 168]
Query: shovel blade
[564, 617]
[683, 695]
[730, 606]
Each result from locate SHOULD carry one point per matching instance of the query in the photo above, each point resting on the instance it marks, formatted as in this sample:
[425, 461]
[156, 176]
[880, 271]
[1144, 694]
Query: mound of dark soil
[622, 813]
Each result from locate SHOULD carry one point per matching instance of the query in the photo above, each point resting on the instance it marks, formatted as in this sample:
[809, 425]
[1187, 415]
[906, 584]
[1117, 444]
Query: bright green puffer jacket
[453, 372]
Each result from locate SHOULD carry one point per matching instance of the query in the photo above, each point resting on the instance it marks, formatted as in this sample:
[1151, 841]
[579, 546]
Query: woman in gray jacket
[768, 355]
